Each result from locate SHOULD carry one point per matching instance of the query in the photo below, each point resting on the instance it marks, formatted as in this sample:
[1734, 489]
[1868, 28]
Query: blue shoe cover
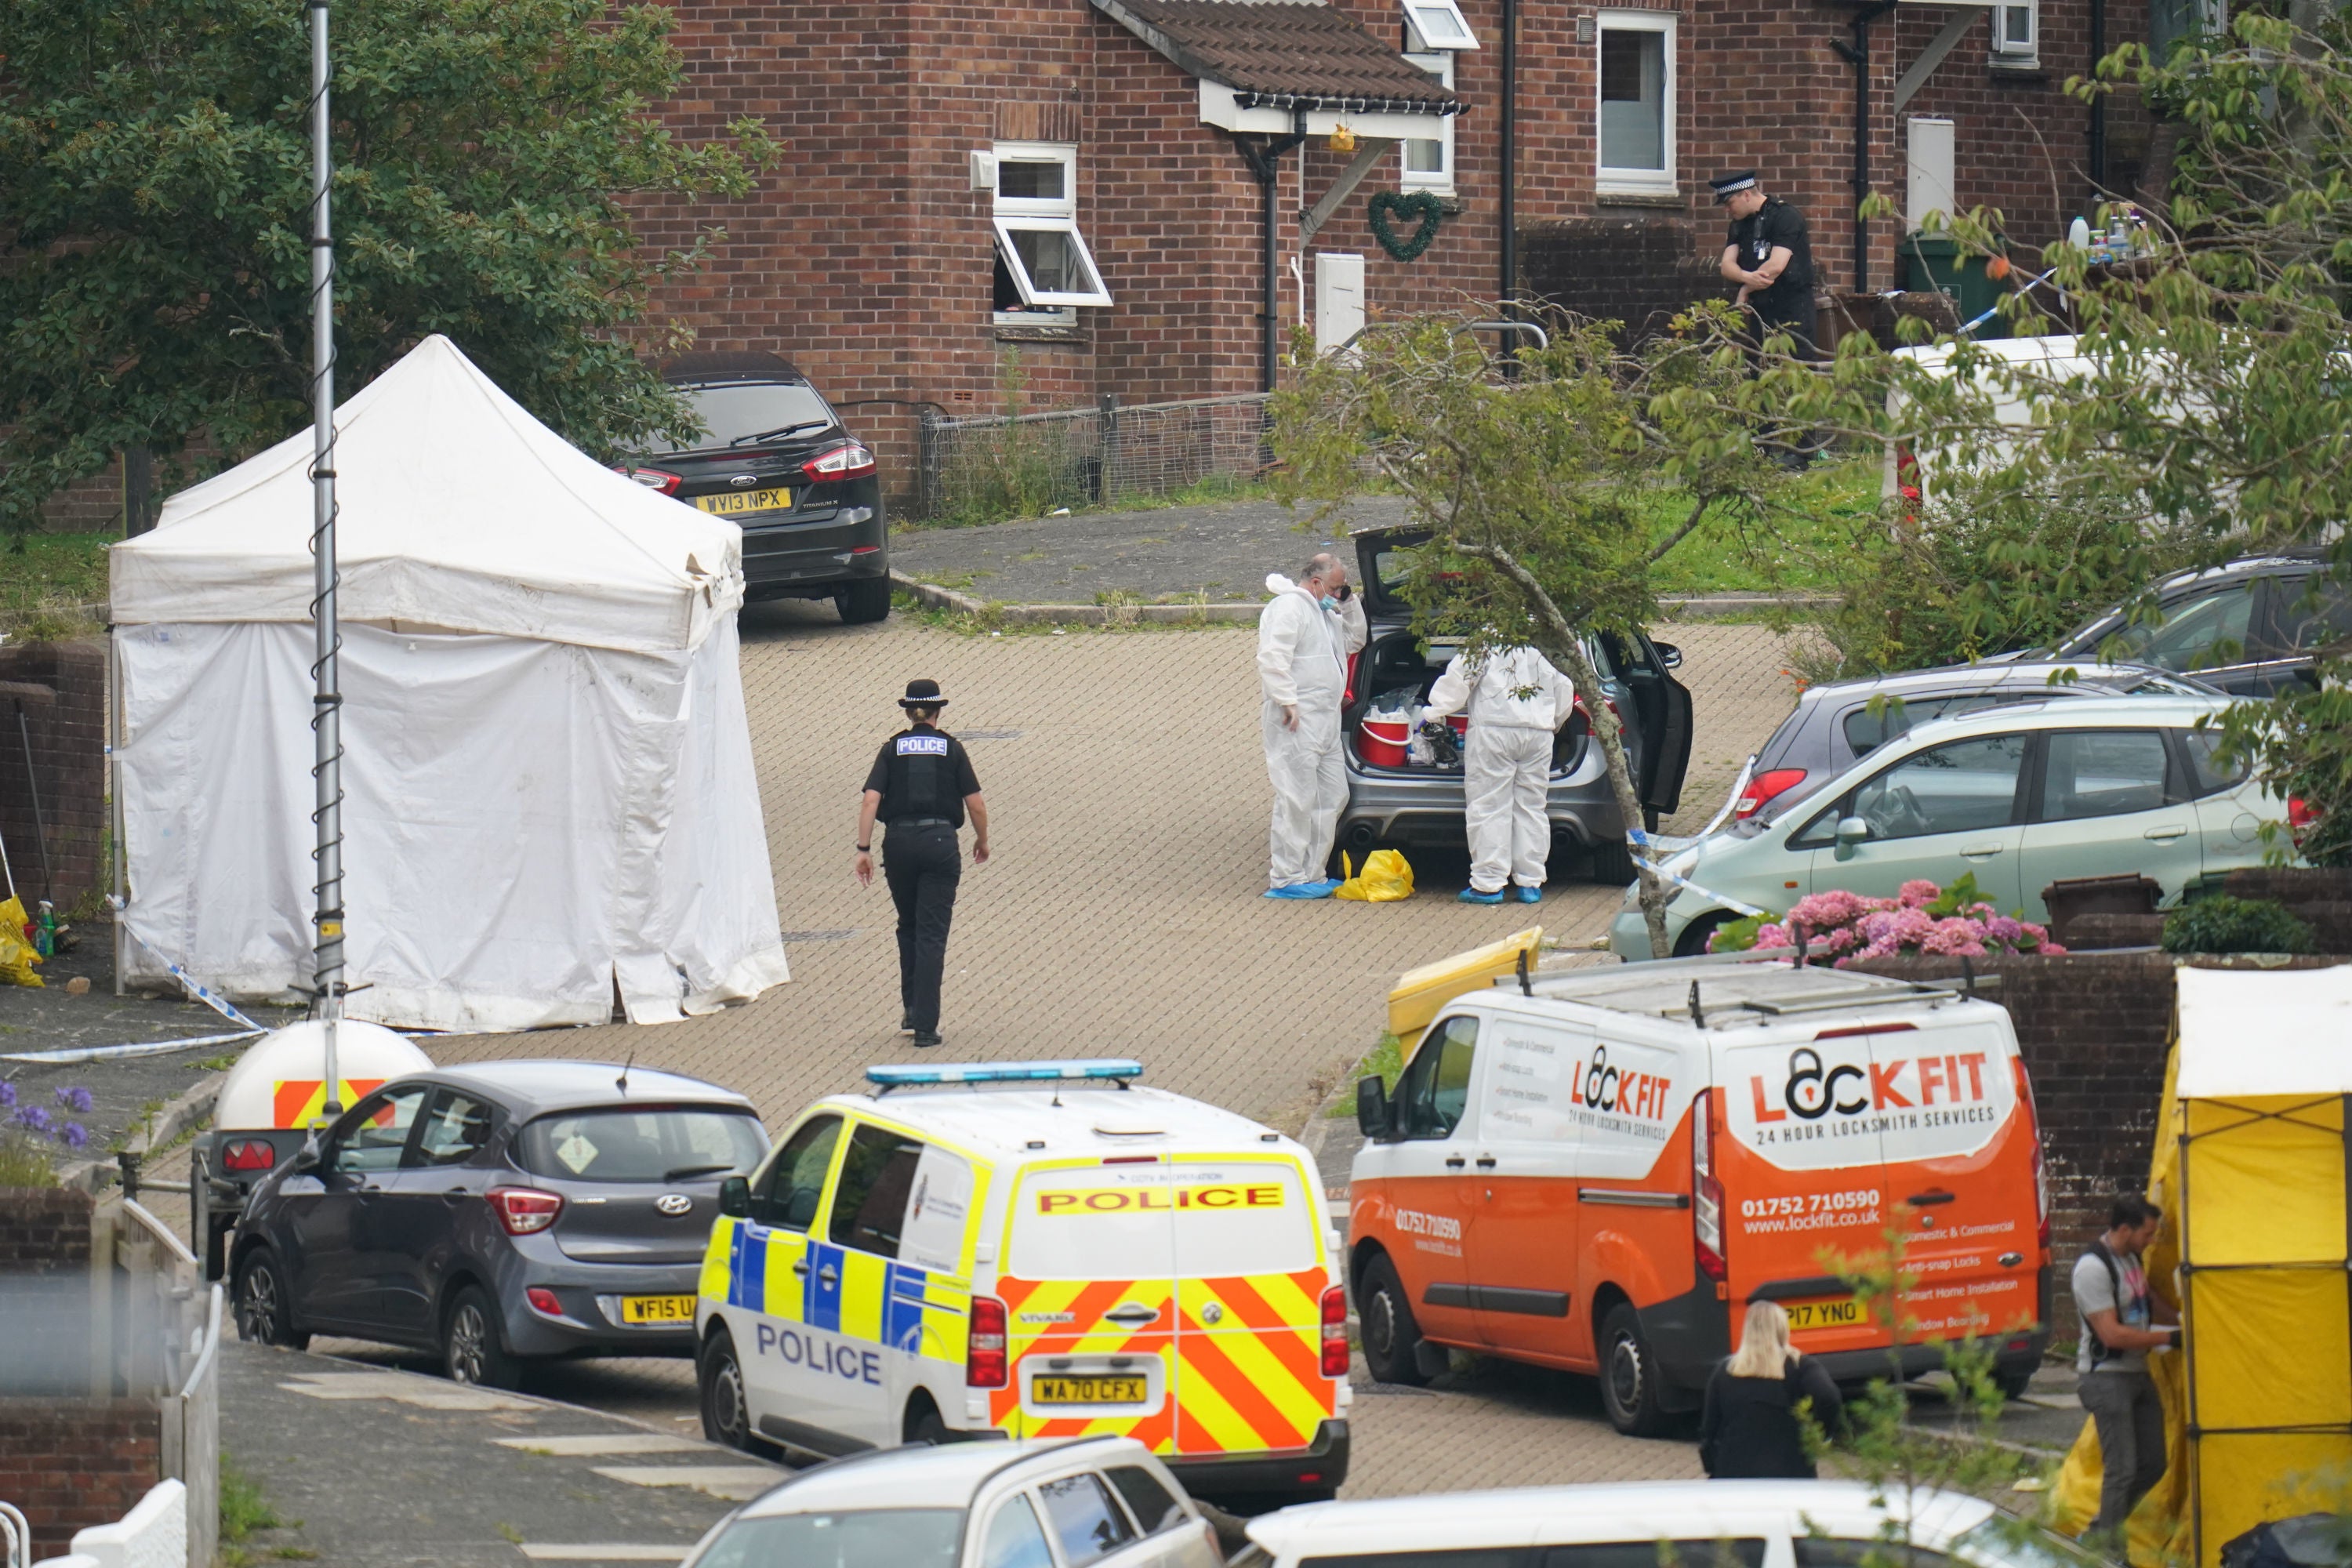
[1529, 895]
[1301, 890]
[1473, 895]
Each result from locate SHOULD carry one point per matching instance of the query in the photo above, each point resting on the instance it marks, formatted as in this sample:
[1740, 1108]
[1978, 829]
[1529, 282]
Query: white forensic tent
[549, 794]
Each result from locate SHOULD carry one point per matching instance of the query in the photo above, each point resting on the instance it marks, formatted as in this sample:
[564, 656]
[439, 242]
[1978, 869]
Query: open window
[1044, 270]
[1636, 111]
[1433, 25]
[1428, 161]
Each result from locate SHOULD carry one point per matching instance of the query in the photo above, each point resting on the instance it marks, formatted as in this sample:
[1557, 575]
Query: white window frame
[1057, 215]
[1439, 64]
[1417, 42]
[1639, 181]
[2007, 51]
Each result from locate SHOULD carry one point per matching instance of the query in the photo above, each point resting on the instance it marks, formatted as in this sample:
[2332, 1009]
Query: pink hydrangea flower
[1916, 893]
[1824, 912]
[2002, 928]
[1955, 936]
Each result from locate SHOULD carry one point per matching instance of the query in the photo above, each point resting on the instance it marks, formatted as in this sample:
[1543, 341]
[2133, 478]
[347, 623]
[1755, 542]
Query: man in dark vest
[921, 787]
[1770, 255]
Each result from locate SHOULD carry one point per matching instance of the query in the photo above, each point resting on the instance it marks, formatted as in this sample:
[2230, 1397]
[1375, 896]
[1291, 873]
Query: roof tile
[1284, 54]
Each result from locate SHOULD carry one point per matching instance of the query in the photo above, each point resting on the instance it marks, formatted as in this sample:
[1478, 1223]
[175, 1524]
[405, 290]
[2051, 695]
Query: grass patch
[1796, 552]
[25, 1163]
[45, 581]
[1386, 1060]
[244, 1512]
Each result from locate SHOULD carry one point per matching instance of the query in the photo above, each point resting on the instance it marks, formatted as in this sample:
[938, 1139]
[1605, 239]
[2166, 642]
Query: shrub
[2221, 923]
[1967, 579]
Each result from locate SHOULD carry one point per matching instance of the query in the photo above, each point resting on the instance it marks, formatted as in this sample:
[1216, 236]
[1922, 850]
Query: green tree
[154, 200]
[1552, 482]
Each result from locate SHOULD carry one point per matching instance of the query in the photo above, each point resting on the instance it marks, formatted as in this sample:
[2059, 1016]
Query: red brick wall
[867, 259]
[44, 1230]
[73, 1463]
[61, 687]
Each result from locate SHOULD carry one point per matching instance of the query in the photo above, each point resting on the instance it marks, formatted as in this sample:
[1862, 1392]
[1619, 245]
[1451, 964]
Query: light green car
[2022, 796]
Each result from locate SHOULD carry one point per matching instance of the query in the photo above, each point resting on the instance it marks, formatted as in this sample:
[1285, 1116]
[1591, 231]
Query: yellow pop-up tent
[2253, 1165]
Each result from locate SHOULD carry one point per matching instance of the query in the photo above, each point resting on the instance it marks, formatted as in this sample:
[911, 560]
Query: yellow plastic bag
[1386, 878]
[17, 956]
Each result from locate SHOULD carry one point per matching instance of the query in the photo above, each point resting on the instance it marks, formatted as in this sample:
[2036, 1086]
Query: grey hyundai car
[1837, 722]
[498, 1214]
[1402, 800]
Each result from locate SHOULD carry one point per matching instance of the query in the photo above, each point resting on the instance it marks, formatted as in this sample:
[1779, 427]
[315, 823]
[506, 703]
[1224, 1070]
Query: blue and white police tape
[1643, 841]
[116, 1053]
[195, 987]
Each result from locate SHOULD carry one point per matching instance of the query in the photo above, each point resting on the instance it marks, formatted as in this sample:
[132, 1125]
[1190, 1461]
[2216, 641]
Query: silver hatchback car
[1409, 803]
[2018, 796]
[1103, 1502]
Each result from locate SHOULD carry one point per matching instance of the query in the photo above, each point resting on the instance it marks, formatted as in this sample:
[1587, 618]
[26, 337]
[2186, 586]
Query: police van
[1033, 1249]
[1600, 1170]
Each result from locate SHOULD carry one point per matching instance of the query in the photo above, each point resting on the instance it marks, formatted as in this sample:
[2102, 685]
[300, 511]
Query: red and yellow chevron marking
[299, 1102]
[1250, 1381]
[1253, 1379]
[1080, 1304]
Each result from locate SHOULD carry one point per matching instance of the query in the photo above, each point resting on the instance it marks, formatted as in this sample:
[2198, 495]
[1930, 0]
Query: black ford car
[776, 457]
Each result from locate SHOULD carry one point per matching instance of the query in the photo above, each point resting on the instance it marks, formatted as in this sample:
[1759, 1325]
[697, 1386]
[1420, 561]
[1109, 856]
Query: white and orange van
[1033, 1249]
[1600, 1170]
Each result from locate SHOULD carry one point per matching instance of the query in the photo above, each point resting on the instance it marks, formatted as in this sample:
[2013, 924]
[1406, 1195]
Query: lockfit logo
[1812, 1092]
[1601, 1087]
[1159, 1200]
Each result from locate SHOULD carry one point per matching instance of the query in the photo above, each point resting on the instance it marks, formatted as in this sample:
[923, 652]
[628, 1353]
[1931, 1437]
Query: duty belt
[897, 823]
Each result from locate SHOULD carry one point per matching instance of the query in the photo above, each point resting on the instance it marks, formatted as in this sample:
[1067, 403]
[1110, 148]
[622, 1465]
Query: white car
[2018, 796]
[1091, 1502]
[1705, 1524]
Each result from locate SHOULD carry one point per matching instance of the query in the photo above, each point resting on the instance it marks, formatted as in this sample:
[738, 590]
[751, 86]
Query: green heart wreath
[1386, 204]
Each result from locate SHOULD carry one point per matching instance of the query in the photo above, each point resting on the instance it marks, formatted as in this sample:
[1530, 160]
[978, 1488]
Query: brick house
[933, 142]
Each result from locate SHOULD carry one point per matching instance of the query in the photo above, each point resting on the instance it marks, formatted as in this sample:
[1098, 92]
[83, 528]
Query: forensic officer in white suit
[1517, 702]
[1304, 638]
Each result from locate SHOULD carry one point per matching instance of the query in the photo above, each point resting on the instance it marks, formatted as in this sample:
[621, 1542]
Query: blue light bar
[1006, 1072]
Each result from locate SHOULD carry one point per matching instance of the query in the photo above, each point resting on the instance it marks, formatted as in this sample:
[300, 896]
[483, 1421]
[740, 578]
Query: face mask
[1329, 603]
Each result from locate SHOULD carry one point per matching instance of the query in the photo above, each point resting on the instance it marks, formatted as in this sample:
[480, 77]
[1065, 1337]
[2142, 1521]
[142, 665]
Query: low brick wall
[2094, 1030]
[61, 688]
[2321, 898]
[73, 1463]
[45, 1230]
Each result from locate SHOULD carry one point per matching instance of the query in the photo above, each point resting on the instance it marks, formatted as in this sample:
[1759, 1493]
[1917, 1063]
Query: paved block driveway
[1122, 915]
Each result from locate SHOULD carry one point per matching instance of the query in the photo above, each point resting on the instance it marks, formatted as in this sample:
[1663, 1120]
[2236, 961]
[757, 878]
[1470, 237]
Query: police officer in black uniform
[1769, 256]
[921, 787]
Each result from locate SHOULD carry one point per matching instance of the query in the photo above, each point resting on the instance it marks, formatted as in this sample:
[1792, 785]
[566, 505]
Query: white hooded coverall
[1302, 663]
[1517, 701]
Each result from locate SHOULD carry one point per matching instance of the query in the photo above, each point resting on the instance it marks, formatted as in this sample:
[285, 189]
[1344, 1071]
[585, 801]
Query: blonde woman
[1750, 1428]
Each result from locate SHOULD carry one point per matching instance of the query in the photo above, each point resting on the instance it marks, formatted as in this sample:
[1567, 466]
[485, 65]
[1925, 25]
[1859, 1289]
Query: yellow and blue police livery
[990, 1258]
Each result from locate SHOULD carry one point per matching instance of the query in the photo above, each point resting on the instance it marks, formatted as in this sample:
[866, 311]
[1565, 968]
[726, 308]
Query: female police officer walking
[920, 788]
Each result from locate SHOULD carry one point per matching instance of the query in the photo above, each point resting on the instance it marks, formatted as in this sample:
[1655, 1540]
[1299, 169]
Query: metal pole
[327, 702]
[1508, 155]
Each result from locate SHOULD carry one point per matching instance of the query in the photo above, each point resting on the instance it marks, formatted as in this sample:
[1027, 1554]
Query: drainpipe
[1857, 55]
[1265, 161]
[2096, 153]
[1508, 212]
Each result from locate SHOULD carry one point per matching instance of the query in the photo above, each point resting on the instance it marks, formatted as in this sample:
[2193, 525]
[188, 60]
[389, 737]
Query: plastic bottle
[2078, 234]
[45, 930]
